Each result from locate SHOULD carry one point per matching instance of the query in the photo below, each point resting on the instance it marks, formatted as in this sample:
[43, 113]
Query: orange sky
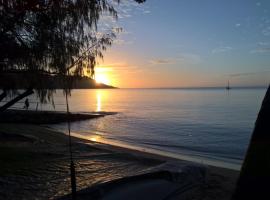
[124, 71]
[126, 74]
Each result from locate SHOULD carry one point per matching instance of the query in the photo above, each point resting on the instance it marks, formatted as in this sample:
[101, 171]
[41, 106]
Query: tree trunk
[3, 95]
[16, 99]
[253, 182]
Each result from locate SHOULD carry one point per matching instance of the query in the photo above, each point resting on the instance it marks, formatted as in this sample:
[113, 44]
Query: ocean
[211, 125]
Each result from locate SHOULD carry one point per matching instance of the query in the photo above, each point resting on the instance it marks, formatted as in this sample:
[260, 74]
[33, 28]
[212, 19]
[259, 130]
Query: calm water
[210, 124]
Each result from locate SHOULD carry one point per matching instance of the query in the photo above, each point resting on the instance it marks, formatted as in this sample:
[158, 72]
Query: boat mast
[228, 86]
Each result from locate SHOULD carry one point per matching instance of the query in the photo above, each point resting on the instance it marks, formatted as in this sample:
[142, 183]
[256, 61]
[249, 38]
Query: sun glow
[102, 78]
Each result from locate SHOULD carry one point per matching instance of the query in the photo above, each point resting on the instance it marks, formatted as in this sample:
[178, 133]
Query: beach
[35, 164]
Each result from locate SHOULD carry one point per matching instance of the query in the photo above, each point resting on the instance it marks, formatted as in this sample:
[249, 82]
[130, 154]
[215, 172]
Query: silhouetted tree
[41, 38]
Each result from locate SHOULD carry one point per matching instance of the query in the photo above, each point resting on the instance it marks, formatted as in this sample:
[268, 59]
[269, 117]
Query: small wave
[188, 150]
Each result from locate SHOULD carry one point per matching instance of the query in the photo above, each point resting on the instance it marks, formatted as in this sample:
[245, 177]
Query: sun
[102, 78]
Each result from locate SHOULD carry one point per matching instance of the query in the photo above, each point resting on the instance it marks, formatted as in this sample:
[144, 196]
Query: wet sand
[35, 165]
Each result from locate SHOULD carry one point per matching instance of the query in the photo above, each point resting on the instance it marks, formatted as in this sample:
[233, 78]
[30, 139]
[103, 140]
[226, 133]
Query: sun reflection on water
[99, 102]
[95, 138]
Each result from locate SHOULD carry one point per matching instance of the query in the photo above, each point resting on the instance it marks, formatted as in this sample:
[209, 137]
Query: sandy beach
[35, 165]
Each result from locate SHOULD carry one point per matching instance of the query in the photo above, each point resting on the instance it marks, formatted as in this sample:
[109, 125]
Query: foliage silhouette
[41, 38]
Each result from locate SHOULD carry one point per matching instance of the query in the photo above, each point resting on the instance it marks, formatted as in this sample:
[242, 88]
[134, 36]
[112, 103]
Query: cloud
[188, 58]
[263, 43]
[182, 58]
[115, 65]
[221, 49]
[122, 42]
[261, 50]
[266, 31]
[125, 9]
[249, 73]
[128, 9]
[122, 15]
[237, 25]
[119, 66]
[147, 12]
[160, 61]
[263, 47]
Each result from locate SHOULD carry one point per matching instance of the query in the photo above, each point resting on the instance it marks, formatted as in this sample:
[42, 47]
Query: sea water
[210, 124]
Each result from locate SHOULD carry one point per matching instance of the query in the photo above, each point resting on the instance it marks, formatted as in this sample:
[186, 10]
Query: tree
[41, 38]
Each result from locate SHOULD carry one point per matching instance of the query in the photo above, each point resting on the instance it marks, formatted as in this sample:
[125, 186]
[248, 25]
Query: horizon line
[200, 87]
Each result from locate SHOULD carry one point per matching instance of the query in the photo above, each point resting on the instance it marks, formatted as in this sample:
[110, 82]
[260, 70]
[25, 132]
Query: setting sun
[102, 78]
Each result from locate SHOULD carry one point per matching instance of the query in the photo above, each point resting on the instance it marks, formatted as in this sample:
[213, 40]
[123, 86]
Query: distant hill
[88, 83]
[22, 80]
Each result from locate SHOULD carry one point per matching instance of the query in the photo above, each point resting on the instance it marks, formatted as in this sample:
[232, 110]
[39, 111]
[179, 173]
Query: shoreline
[38, 117]
[159, 153]
[42, 152]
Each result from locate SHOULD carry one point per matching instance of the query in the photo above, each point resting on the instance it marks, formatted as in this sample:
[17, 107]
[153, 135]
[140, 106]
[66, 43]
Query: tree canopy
[51, 37]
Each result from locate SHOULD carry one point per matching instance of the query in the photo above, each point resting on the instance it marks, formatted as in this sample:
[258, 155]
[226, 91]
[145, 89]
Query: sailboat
[228, 86]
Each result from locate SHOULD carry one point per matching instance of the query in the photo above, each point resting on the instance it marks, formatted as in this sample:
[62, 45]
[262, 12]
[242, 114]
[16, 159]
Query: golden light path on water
[95, 138]
[99, 101]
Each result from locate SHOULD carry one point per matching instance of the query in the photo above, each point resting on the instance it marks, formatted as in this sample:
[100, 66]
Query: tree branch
[16, 99]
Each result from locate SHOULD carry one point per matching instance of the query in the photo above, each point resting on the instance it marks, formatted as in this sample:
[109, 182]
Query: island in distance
[89, 83]
[21, 80]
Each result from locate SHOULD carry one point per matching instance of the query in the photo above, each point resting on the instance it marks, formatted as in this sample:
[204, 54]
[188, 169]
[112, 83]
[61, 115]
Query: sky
[188, 43]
